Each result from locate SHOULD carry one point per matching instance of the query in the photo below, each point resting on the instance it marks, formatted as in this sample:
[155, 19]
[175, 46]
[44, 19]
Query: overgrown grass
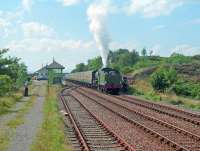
[4, 139]
[51, 135]
[7, 102]
[8, 130]
[20, 115]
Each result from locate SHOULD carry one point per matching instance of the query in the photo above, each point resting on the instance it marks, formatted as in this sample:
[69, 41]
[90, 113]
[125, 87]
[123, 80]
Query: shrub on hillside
[163, 78]
[187, 88]
[182, 88]
[159, 81]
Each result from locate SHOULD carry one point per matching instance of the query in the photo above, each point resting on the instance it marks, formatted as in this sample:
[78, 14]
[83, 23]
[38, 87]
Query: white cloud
[48, 45]
[186, 50]
[69, 2]
[26, 4]
[153, 8]
[35, 30]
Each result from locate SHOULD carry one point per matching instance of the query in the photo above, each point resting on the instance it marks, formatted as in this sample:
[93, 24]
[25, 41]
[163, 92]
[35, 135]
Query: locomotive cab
[109, 80]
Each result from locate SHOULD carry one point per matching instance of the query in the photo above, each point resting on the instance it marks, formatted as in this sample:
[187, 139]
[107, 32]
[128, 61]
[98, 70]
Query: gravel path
[13, 111]
[26, 133]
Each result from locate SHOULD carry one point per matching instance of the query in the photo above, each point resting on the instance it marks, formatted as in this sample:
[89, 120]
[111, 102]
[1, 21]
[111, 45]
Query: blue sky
[37, 30]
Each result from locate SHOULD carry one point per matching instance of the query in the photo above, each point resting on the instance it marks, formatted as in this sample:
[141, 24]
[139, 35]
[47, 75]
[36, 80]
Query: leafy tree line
[121, 59]
[127, 61]
[92, 64]
[13, 73]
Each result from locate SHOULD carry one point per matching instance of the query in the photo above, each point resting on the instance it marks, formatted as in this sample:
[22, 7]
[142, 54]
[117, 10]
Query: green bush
[187, 88]
[163, 78]
[13, 73]
[5, 84]
[159, 81]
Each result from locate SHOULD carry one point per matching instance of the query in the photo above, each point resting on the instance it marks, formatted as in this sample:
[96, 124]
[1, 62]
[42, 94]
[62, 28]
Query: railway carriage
[106, 79]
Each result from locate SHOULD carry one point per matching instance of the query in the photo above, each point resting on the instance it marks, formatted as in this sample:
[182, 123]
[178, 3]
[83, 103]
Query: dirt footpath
[26, 132]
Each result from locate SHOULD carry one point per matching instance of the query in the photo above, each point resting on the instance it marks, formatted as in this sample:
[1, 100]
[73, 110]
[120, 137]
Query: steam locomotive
[106, 79]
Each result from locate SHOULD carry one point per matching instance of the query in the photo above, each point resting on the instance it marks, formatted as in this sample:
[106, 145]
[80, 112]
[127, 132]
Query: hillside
[178, 75]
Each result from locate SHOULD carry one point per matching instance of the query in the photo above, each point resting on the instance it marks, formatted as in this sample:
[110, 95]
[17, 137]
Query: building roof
[55, 65]
[42, 70]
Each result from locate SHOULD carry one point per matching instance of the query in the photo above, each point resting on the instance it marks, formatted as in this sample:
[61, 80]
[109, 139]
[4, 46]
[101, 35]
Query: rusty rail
[83, 143]
[85, 146]
[156, 107]
[148, 130]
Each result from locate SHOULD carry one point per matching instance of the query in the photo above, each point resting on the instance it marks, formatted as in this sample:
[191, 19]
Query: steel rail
[148, 130]
[122, 142]
[80, 136]
[154, 119]
[144, 103]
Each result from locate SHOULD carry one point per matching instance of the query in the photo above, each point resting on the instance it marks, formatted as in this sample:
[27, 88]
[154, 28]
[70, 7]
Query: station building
[55, 72]
[42, 74]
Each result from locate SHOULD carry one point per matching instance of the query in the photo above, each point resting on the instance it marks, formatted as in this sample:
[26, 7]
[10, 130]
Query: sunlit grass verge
[51, 136]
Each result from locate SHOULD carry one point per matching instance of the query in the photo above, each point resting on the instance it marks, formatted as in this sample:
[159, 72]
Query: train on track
[106, 79]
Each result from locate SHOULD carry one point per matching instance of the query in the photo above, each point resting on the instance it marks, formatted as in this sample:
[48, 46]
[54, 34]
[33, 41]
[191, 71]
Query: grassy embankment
[19, 119]
[9, 102]
[51, 136]
[143, 88]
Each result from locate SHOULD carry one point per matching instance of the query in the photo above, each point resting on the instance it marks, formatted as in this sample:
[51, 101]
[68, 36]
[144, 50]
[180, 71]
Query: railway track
[174, 136]
[88, 133]
[164, 109]
[178, 122]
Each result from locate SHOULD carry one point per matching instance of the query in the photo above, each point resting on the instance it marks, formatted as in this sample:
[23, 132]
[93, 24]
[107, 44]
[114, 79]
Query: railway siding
[93, 134]
[131, 133]
[130, 123]
[174, 135]
[172, 120]
[169, 110]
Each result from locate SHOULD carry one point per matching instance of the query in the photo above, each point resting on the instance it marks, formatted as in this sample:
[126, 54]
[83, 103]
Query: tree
[164, 78]
[80, 67]
[159, 81]
[123, 58]
[11, 67]
[144, 52]
[5, 84]
[21, 75]
[95, 64]
[171, 75]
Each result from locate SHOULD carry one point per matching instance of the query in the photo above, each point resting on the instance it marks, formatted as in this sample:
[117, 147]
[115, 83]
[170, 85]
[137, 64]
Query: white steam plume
[97, 13]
